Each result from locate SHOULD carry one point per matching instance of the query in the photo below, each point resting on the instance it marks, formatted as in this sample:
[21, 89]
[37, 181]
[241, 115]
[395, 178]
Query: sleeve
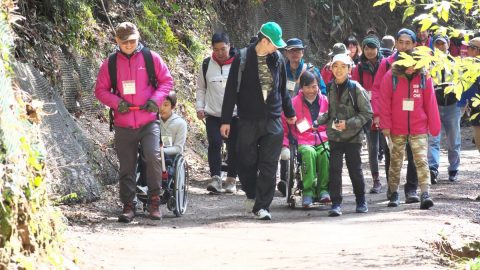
[377, 81]
[103, 86]
[431, 108]
[180, 136]
[355, 75]
[364, 107]
[286, 100]
[201, 91]
[322, 129]
[385, 102]
[164, 79]
[285, 130]
[321, 83]
[230, 97]
[323, 118]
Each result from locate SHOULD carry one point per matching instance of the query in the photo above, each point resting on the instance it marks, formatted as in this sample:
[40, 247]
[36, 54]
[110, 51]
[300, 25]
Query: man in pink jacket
[135, 126]
[409, 113]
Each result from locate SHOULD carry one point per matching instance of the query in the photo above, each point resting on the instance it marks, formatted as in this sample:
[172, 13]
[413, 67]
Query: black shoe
[411, 197]
[452, 176]
[433, 176]
[426, 202]
[282, 187]
[394, 201]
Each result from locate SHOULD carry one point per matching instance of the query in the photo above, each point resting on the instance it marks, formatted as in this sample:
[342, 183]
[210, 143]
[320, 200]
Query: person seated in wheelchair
[312, 140]
[173, 132]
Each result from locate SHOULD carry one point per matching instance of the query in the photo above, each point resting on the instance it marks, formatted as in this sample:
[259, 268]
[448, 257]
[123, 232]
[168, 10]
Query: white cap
[344, 58]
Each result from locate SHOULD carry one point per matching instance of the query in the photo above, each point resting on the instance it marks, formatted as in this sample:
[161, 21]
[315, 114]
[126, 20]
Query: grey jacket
[174, 134]
[344, 110]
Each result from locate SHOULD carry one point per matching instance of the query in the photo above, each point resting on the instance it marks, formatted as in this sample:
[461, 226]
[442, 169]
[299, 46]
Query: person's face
[473, 51]
[370, 53]
[422, 35]
[166, 109]
[310, 91]
[268, 46]
[405, 43]
[221, 51]
[294, 55]
[340, 71]
[442, 46]
[127, 46]
[353, 49]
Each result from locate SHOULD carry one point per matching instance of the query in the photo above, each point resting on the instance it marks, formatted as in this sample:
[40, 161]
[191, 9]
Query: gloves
[150, 106]
[123, 106]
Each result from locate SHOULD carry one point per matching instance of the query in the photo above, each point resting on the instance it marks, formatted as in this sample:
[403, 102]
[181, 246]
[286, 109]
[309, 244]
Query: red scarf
[229, 61]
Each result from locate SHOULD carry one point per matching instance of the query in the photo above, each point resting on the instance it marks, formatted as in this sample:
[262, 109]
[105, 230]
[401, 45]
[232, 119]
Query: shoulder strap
[205, 63]
[112, 71]
[241, 68]
[352, 88]
[147, 56]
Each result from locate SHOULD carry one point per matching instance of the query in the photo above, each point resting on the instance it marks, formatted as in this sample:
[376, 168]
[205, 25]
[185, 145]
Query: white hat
[344, 58]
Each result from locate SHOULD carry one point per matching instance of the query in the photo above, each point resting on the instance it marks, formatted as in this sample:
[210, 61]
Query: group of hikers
[262, 98]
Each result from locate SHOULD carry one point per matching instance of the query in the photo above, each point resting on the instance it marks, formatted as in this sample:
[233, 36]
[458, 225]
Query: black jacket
[249, 99]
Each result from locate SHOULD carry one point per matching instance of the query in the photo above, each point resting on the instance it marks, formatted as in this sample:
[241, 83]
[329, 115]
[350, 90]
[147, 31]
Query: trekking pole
[323, 144]
[162, 156]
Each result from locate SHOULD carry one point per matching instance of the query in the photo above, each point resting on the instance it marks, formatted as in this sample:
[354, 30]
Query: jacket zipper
[130, 71]
[408, 112]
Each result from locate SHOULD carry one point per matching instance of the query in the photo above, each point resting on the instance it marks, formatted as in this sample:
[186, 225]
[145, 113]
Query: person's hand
[340, 125]
[386, 132]
[150, 106]
[225, 130]
[201, 115]
[123, 106]
[376, 121]
[292, 120]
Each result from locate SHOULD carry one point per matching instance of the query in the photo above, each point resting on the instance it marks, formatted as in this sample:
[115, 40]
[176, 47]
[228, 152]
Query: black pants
[215, 144]
[412, 178]
[259, 144]
[354, 165]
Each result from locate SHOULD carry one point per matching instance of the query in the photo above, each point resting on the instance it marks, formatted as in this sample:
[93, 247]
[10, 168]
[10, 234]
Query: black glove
[150, 106]
[123, 106]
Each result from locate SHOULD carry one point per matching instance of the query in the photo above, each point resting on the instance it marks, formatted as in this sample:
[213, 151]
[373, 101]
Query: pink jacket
[382, 70]
[309, 137]
[367, 78]
[133, 69]
[423, 119]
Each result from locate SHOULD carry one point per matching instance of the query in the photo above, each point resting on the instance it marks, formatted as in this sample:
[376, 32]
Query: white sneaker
[216, 184]
[249, 203]
[263, 214]
[230, 185]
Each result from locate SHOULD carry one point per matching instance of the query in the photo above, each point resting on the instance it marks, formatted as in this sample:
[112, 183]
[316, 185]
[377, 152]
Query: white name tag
[265, 93]
[167, 141]
[129, 87]
[291, 85]
[408, 105]
[303, 126]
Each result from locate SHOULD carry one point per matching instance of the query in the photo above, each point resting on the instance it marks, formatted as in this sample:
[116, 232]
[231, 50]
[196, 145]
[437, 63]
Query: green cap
[273, 32]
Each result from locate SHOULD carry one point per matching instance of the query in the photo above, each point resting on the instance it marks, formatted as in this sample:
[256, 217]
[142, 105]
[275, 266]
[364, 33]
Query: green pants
[314, 169]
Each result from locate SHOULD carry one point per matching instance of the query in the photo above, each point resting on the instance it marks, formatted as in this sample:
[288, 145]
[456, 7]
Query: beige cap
[474, 42]
[127, 31]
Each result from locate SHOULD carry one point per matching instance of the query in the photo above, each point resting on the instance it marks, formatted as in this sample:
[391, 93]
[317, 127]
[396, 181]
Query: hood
[398, 70]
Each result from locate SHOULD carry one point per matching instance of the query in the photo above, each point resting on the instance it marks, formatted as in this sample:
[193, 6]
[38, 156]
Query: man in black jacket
[260, 99]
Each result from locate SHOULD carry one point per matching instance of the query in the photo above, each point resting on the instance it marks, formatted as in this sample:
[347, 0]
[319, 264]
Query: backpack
[243, 59]
[112, 71]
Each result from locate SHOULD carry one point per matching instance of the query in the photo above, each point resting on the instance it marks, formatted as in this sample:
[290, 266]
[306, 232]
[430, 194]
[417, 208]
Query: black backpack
[112, 71]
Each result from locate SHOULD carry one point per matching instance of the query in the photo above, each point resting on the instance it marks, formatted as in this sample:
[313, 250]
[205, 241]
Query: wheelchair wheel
[180, 186]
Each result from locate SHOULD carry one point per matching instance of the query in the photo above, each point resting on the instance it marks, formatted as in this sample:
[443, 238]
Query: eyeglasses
[297, 50]
[127, 42]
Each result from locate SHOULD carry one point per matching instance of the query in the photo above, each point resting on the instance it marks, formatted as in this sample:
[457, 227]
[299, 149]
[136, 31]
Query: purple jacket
[133, 69]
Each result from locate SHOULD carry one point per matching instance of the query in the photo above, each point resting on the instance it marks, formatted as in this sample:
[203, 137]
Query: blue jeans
[450, 119]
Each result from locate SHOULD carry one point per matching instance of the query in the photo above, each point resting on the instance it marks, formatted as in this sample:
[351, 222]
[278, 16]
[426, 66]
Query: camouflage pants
[419, 145]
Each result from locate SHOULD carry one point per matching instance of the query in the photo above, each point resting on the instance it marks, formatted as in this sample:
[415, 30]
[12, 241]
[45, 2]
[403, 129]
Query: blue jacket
[298, 72]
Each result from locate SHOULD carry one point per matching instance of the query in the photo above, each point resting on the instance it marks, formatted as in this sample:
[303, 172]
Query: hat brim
[131, 37]
[277, 43]
[441, 39]
[289, 47]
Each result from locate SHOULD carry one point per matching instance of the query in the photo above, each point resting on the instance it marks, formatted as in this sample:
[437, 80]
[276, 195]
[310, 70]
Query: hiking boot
[282, 187]
[411, 197]
[263, 214]
[128, 212]
[215, 185]
[154, 208]
[335, 211]
[361, 205]
[230, 185]
[433, 176]
[452, 176]
[377, 187]
[307, 201]
[325, 197]
[394, 201]
[426, 201]
[249, 203]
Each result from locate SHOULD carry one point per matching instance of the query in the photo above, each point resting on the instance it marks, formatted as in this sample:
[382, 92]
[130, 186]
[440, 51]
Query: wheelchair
[175, 177]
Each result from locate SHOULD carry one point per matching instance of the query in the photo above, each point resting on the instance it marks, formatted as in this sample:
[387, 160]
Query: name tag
[167, 141]
[303, 126]
[265, 94]
[291, 85]
[129, 87]
[408, 104]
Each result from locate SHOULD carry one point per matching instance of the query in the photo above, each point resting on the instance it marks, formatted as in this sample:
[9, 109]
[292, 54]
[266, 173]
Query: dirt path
[215, 233]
